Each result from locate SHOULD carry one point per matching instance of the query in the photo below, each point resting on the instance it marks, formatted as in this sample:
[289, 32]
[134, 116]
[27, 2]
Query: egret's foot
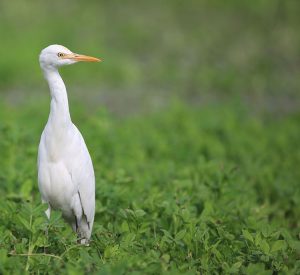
[46, 235]
[83, 241]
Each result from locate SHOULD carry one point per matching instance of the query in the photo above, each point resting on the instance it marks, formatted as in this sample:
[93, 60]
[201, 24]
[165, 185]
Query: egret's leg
[48, 213]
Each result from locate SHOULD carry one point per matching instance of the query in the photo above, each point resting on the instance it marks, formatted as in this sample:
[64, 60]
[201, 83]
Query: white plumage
[65, 170]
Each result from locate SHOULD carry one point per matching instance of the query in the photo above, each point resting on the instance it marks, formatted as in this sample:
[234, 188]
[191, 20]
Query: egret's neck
[59, 110]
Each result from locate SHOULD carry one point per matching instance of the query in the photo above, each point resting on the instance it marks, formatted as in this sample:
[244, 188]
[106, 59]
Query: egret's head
[55, 56]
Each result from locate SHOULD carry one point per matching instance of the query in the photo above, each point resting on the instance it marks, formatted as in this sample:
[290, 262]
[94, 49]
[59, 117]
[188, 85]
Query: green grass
[207, 183]
[211, 190]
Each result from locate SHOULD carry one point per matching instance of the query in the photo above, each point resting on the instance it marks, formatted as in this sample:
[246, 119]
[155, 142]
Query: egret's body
[65, 170]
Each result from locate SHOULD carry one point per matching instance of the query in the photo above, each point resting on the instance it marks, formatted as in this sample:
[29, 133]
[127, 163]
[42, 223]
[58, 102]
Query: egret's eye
[60, 54]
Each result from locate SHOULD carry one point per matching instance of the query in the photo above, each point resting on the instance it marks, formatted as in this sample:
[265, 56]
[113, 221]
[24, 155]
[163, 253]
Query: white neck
[59, 110]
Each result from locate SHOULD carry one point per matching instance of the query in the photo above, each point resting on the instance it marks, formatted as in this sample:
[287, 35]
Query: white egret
[65, 170]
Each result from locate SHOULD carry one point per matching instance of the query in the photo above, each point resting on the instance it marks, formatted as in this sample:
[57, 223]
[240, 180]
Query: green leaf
[257, 269]
[295, 245]
[111, 251]
[278, 245]
[41, 241]
[123, 213]
[166, 257]
[167, 233]
[235, 268]
[3, 255]
[180, 235]
[129, 212]
[124, 227]
[128, 239]
[139, 213]
[247, 235]
[265, 246]
[25, 223]
[258, 239]
[26, 188]
[217, 253]
[237, 265]
[40, 208]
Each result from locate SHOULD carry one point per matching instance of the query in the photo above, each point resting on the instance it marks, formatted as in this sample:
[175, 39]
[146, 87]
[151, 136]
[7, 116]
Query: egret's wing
[86, 191]
[84, 178]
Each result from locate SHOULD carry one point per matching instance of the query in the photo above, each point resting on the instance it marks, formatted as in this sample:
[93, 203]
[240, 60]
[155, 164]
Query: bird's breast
[58, 143]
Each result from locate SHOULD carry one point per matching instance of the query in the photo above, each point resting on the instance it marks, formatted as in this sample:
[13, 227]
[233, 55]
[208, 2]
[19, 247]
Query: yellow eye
[60, 54]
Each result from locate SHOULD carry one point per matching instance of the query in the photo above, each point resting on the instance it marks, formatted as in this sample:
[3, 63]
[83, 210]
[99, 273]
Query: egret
[65, 171]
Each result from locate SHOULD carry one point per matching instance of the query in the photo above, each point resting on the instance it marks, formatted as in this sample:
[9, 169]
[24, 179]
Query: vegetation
[192, 123]
[212, 191]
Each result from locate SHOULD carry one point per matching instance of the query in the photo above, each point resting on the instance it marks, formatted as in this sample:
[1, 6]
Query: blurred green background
[192, 122]
[197, 51]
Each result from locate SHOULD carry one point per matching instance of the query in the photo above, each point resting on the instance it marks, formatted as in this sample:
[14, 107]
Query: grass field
[185, 190]
[192, 122]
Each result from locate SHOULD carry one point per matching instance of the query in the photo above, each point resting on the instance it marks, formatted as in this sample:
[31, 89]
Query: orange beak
[81, 57]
